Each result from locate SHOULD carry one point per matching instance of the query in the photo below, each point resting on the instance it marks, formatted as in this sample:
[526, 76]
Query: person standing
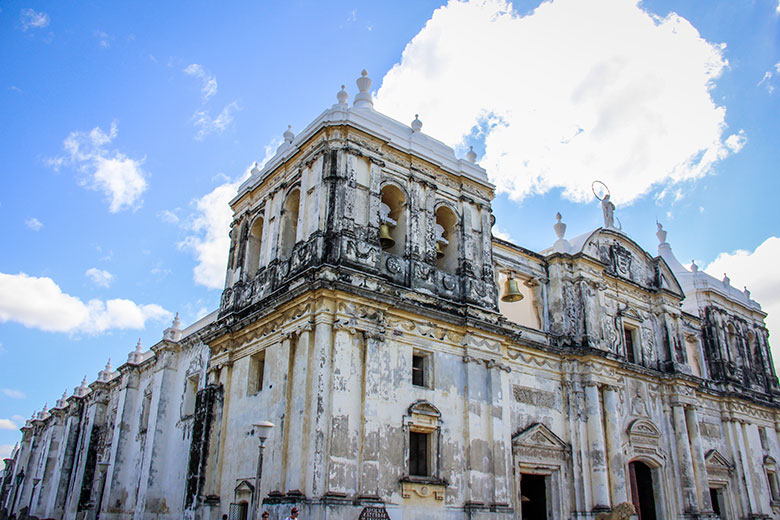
[293, 514]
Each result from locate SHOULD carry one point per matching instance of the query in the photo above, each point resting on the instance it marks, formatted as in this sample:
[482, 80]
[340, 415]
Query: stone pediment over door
[718, 466]
[539, 442]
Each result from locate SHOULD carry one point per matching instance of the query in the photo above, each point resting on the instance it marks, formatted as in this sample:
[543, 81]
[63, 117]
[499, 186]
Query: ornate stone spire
[288, 135]
[173, 333]
[363, 99]
[62, 401]
[105, 374]
[137, 355]
[694, 267]
[43, 413]
[343, 96]
[81, 390]
[416, 124]
[471, 155]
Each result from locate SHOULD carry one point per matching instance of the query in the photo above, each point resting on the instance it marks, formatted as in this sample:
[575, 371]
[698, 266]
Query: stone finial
[694, 267]
[416, 124]
[726, 280]
[43, 413]
[82, 389]
[661, 234]
[559, 227]
[363, 99]
[62, 401]
[471, 155]
[105, 374]
[342, 96]
[137, 355]
[288, 135]
[746, 292]
[173, 333]
[561, 245]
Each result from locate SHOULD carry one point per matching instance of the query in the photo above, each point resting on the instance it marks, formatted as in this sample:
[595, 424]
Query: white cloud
[104, 40]
[209, 82]
[40, 303]
[5, 450]
[168, 216]
[8, 424]
[33, 223]
[33, 20]
[210, 227]
[99, 277]
[119, 177]
[573, 92]
[758, 271]
[13, 393]
[206, 125]
[18, 418]
[500, 233]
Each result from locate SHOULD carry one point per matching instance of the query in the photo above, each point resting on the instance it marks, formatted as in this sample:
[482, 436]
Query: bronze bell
[511, 291]
[385, 239]
[439, 251]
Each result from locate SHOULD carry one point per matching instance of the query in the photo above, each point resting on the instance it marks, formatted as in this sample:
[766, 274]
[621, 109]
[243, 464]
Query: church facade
[414, 366]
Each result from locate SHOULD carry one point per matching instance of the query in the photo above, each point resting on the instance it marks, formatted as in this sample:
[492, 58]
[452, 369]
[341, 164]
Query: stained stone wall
[608, 367]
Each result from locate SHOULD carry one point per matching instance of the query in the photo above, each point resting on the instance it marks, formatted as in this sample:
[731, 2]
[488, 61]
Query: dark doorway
[716, 496]
[642, 490]
[533, 496]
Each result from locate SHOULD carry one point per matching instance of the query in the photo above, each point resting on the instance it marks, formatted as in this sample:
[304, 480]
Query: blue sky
[126, 126]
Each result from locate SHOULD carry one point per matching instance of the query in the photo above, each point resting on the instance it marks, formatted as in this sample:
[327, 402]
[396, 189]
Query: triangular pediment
[714, 460]
[538, 436]
[244, 487]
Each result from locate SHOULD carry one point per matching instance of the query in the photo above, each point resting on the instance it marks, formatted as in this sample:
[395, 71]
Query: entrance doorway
[533, 496]
[642, 494]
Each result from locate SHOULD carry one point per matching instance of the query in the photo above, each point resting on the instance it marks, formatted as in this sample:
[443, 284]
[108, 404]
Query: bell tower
[382, 203]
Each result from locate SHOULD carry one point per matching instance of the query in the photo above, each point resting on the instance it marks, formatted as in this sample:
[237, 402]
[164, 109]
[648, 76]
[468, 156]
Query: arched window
[289, 229]
[255, 241]
[446, 233]
[392, 220]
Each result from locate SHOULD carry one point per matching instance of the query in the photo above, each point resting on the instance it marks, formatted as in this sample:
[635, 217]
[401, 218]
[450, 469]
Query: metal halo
[593, 189]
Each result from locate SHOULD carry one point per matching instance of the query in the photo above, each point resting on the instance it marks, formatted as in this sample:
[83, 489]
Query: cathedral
[378, 353]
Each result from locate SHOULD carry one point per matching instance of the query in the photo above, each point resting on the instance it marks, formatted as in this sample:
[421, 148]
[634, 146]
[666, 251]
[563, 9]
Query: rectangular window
[190, 394]
[418, 454]
[628, 335]
[145, 409]
[256, 373]
[418, 370]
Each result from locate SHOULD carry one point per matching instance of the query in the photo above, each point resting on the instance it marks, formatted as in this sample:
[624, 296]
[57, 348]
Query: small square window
[418, 454]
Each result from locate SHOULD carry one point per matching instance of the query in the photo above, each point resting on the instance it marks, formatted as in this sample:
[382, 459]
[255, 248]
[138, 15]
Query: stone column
[761, 490]
[319, 392]
[579, 448]
[617, 468]
[496, 375]
[684, 461]
[744, 463]
[372, 402]
[697, 453]
[296, 468]
[598, 460]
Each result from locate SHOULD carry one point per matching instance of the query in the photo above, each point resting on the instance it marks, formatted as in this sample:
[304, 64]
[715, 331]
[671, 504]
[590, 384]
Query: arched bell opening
[446, 236]
[289, 231]
[254, 247]
[392, 220]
